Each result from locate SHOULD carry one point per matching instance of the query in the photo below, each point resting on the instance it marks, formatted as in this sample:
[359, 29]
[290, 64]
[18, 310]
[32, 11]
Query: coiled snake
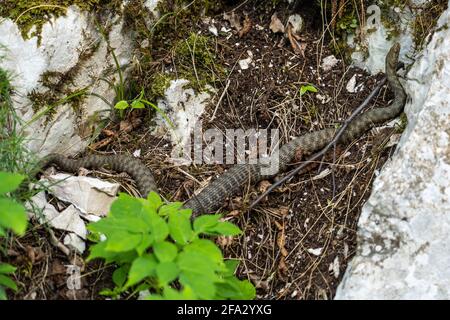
[231, 182]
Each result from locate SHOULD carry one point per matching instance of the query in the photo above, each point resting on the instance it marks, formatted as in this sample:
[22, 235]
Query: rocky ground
[298, 241]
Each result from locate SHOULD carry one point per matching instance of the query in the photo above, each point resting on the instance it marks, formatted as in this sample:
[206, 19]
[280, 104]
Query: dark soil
[296, 243]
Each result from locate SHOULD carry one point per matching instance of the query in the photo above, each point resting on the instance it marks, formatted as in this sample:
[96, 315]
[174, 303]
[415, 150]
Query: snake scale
[232, 181]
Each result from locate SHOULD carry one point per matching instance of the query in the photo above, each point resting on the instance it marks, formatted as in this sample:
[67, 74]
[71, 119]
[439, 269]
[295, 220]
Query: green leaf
[154, 201]
[7, 268]
[122, 241]
[3, 294]
[206, 222]
[191, 262]
[236, 289]
[7, 282]
[167, 272]
[13, 216]
[180, 228]
[307, 88]
[119, 275]
[125, 206]
[200, 285]
[9, 181]
[226, 228]
[136, 104]
[172, 294]
[160, 229]
[165, 251]
[141, 268]
[2, 232]
[121, 105]
[146, 242]
[231, 266]
[207, 249]
[172, 207]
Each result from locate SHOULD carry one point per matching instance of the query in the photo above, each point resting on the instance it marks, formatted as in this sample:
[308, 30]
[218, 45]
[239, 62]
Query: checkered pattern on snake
[232, 181]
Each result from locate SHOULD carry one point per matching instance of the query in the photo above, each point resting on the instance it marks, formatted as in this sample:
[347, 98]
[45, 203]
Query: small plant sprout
[307, 88]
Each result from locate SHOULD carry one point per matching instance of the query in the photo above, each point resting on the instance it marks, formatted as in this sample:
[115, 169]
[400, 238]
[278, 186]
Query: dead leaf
[109, 133]
[234, 213]
[275, 24]
[234, 20]
[224, 241]
[101, 144]
[259, 284]
[247, 27]
[263, 186]
[299, 48]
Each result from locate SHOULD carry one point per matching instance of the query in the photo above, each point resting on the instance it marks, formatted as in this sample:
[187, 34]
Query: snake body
[232, 181]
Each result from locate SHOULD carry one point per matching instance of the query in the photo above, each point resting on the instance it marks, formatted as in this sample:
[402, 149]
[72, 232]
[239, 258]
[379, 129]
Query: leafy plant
[140, 103]
[307, 88]
[158, 248]
[13, 217]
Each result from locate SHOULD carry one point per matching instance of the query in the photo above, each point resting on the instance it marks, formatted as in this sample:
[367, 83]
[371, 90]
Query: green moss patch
[35, 13]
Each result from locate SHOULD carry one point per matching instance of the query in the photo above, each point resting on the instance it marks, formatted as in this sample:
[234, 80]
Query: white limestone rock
[89, 195]
[404, 231]
[70, 42]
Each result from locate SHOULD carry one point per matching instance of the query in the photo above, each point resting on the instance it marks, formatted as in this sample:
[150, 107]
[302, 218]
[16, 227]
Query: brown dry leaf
[234, 20]
[125, 126]
[101, 143]
[299, 48]
[263, 186]
[224, 241]
[282, 266]
[247, 27]
[234, 213]
[108, 132]
[275, 24]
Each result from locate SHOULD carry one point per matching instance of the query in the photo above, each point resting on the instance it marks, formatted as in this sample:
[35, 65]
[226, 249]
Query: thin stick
[220, 100]
[324, 150]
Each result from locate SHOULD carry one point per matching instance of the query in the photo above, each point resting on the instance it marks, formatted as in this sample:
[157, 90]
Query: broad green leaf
[2, 232]
[136, 104]
[9, 181]
[141, 268]
[123, 241]
[180, 228]
[7, 282]
[167, 272]
[110, 225]
[185, 294]
[226, 228]
[7, 268]
[146, 242]
[236, 289]
[200, 285]
[99, 251]
[231, 266]
[13, 216]
[307, 88]
[121, 105]
[172, 207]
[126, 206]
[119, 275]
[207, 249]
[165, 251]
[192, 262]
[3, 294]
[159, 227]
[205, 222]
[154, 201]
